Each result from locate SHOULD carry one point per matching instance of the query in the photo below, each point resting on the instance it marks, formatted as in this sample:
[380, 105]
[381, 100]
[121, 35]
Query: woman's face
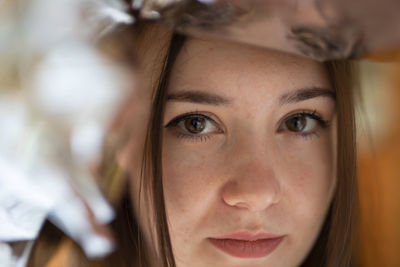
[249, 155]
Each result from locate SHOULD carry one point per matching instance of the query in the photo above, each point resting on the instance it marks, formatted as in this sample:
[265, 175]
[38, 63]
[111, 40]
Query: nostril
[242, 205]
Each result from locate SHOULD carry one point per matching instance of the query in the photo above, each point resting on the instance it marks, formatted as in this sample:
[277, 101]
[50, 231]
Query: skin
[246, 171]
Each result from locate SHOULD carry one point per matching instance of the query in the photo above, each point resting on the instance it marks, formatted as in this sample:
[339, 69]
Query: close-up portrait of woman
[257, 160]
[198, 133]
[247, 159]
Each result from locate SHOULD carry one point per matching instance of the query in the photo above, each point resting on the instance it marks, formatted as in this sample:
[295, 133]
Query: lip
[247, 245]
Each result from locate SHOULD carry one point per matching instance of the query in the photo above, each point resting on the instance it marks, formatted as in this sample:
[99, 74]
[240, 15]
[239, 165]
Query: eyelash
[192, 137]
[313, 115]
[204, 137]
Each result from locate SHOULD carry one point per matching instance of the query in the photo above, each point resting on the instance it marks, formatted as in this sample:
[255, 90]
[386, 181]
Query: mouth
[247, 245]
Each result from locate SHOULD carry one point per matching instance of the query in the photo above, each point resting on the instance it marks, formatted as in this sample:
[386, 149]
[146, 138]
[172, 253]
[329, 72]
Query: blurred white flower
[57, 97]
[6, 257]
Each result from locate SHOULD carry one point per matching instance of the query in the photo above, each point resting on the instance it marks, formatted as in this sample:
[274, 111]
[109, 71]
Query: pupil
[195, 125]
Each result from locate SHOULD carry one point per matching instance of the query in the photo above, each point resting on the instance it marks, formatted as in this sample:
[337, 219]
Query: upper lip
[249, 236]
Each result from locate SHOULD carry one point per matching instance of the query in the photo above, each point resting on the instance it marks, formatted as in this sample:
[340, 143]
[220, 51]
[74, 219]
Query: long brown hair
[333, 247]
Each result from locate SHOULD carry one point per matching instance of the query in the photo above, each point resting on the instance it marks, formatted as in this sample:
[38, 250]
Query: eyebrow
[305, 94]
[198, 97]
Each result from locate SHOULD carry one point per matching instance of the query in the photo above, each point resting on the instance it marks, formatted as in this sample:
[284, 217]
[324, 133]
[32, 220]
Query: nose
[253, 187]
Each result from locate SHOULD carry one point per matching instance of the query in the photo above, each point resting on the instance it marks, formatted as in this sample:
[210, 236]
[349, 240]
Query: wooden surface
[379, 167]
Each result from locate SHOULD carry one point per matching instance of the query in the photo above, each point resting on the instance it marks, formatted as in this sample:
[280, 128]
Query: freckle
[202, 158]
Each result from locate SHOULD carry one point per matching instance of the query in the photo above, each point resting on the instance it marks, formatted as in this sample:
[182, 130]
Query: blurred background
[379, 160]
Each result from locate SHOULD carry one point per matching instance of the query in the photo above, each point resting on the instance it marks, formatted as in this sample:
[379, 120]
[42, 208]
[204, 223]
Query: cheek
[310, 171]
[189, 184]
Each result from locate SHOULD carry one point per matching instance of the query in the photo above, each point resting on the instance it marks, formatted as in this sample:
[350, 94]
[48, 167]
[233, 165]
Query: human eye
[303, 124]
[194, 126]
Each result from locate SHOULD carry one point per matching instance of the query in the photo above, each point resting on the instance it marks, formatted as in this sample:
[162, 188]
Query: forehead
[219, 66]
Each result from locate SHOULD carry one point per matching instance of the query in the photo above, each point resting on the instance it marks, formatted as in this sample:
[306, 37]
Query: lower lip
[247, 249]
